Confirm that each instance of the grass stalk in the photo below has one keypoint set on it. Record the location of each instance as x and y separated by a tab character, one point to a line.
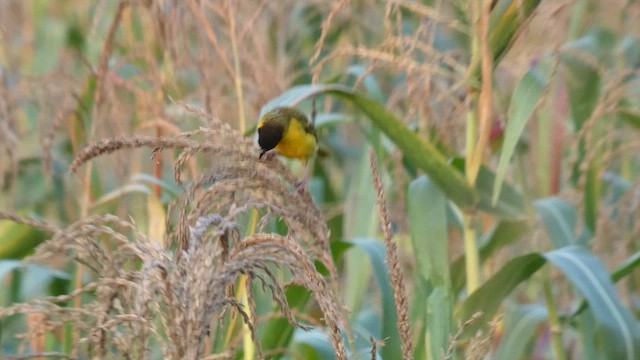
247	340
241	294
472	254
486	92
478	129
554	321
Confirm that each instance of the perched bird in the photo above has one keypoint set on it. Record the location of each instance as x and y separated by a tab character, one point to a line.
288	131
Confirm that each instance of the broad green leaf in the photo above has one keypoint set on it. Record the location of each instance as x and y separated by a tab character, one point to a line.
630	116
488	297
503	234
510	204
418	313
415	149
439	320
621	271
366	324
428	226
617	327
377	252
521	324
524	102
17	240
359	222
560	220
326	120
7	266
586	326
627	267
277	333
37	279
427	207
314	344
167	185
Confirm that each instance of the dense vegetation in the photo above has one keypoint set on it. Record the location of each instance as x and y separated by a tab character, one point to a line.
476	194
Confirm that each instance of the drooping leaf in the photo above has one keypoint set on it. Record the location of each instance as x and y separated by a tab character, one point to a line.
7	266
521	323
619	273
560	220
617	328
17	240
488	297
504	233
314	344
415	149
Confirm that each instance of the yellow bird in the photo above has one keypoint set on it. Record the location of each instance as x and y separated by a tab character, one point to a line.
288	131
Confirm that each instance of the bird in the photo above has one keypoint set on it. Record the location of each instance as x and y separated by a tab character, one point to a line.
288	131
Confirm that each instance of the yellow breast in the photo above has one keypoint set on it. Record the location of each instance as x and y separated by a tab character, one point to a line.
297	143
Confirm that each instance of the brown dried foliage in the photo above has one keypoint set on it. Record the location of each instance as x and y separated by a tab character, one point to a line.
397	276
148	291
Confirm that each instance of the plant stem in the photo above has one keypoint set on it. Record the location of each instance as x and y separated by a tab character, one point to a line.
554	321
472	256
247	340
484	99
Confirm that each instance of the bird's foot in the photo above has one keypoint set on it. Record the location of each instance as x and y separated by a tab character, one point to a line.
268	156
302	186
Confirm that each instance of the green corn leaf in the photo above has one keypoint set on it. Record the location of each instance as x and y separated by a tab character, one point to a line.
314	345
377	252
439	321
428	226
359	222
560	220
504	233
524	101
618	330
619	273
415	149
17	240
427	207
521	323
488	297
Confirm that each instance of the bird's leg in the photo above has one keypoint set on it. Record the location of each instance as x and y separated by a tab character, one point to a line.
304	181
